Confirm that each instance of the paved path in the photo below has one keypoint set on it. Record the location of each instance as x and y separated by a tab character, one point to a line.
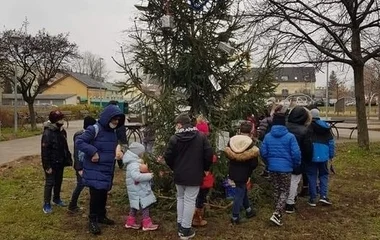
14	149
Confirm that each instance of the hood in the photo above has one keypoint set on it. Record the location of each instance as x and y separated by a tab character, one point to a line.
130	157
241	148
110	112
51	126
320	126
187	133
278	131
299	115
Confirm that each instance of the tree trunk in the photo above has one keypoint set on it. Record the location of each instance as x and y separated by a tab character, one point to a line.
378	106
361	118
32	115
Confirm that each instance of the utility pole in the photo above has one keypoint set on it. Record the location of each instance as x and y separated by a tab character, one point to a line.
327	90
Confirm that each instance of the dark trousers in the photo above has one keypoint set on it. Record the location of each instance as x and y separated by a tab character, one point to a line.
53	182
98	201
201	198
305	180
78	189
240	199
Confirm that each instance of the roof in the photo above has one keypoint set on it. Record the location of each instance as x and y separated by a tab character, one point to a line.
111	86
87	80
291	74
42	96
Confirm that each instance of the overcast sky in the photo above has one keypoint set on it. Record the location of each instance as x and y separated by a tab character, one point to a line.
95	25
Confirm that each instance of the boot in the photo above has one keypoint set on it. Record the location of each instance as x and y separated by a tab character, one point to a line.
93	225
198	220
131	223
147	225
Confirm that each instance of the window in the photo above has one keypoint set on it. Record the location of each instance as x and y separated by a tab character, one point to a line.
284	78
295	78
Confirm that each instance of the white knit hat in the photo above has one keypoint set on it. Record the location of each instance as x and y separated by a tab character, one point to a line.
315	113
137	148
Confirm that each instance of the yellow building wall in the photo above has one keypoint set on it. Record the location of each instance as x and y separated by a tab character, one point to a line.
69	85
296	87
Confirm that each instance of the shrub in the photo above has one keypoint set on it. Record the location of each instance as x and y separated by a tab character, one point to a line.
6	117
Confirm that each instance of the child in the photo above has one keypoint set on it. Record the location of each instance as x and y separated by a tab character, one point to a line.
149	137
242	153
198	218
140	194
324	150
78	166
55	155
282	154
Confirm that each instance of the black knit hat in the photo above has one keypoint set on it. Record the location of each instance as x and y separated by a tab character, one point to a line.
55	116
88	121
279	119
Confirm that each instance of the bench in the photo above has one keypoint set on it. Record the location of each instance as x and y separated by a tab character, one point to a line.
68	117
84	113
350	128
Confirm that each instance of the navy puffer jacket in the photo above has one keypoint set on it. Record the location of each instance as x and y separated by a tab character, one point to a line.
99	175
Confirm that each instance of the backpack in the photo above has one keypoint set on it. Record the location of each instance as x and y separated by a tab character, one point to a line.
81	155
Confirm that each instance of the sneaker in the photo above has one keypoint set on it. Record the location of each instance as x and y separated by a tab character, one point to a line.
187	233
250	214
94	228
289	208
179	229
276	219
235	220
312	202
325	201
130	223
106	221
148	225
60	203
47	208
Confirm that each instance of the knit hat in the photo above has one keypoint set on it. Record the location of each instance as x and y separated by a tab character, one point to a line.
279	119
137	148
203	127
315	113
55	116
88	121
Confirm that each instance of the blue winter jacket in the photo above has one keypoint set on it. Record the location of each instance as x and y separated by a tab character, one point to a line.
323	141
280	150
138	184
99	175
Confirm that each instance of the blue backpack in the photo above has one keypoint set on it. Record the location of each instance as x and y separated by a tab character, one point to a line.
81	155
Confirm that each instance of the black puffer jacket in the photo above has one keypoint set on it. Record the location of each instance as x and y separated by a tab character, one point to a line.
188	154
299	121
54	149
242	153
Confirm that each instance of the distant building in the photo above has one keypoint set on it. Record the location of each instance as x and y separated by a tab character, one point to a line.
41	99
294	80
85	87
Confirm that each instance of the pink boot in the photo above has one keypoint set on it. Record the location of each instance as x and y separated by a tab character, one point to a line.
131	223
148	225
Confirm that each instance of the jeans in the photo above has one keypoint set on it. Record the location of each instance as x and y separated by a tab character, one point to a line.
98	201
53	182
240	199
295	180
201	198
315	170
78	189
186	196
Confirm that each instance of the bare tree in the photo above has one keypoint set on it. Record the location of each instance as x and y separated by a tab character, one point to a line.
318	31
34	60
92	65
372	82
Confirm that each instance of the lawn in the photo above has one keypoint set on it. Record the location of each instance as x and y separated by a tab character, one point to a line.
355	214
8	133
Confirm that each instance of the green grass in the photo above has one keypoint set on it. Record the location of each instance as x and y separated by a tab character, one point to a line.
354	190
8	133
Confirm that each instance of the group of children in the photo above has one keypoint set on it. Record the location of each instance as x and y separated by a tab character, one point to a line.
294	144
